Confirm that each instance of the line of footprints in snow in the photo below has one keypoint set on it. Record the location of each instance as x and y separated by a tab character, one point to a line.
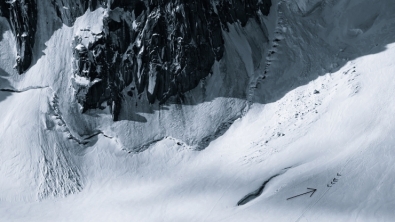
334	180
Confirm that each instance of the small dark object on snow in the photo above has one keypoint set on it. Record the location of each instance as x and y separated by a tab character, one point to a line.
316	91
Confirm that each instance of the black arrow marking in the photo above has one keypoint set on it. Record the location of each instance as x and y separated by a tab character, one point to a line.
312	191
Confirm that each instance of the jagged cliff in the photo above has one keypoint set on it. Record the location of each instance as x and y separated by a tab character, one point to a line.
162	49
22	16
69	10
156	49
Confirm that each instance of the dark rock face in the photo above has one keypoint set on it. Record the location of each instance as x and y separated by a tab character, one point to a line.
155	48
4	9
239	10
158	48
69	10
22	16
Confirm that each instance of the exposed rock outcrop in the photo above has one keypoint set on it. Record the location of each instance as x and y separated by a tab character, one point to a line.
69	10
158	48
22	16
4	9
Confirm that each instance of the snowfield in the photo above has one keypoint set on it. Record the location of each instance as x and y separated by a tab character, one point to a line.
318	113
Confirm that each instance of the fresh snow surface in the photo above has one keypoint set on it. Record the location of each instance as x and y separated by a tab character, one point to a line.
322	118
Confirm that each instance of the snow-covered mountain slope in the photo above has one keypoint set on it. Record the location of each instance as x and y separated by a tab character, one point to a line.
315	110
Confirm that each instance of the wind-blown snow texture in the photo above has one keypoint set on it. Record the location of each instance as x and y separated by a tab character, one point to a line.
301	98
